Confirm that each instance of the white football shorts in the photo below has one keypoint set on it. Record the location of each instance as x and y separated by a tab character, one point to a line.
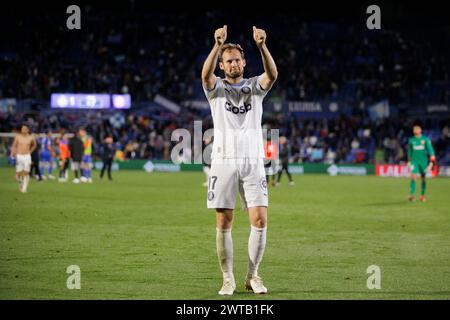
228	176
23	162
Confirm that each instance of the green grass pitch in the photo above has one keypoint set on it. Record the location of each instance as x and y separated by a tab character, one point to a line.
150	236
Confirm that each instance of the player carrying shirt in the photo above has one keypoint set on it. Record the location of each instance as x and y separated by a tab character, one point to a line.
421	159
238	151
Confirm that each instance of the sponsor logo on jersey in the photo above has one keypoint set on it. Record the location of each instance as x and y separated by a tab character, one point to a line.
236	110
419	147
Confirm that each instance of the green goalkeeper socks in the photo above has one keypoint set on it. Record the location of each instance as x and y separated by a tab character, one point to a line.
412	187
424	187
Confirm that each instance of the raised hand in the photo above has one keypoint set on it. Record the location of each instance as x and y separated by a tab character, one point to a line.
221	35
259	35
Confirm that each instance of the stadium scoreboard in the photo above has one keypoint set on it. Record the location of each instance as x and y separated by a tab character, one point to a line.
90	101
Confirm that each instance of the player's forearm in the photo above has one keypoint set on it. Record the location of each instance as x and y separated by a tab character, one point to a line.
270	68
210	65
14	148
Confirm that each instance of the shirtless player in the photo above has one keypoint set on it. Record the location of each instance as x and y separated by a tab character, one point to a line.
23	145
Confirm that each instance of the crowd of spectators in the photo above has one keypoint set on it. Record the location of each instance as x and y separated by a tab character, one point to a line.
145	53
140	135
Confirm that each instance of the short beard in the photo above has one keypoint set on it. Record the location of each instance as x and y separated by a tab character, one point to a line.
235	75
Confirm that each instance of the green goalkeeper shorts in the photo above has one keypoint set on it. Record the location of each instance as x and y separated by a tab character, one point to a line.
419	167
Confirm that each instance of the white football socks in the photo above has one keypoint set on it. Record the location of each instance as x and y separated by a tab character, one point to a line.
256	246
20	182
224	244
26	179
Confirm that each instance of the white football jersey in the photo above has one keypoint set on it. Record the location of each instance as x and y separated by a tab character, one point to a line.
237	114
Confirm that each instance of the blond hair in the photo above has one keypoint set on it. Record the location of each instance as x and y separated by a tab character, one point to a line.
230	46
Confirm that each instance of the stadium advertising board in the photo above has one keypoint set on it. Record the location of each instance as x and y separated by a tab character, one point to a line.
308	109
98	166
294	168
444	171
148	166
397	170
335	170
161	166
7	104
121	101
438	108
332	170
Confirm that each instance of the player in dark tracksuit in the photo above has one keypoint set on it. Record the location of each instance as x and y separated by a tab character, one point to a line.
284	158
35	162
76	148
109	151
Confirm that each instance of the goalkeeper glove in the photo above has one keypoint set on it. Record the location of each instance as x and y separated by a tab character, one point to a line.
432	162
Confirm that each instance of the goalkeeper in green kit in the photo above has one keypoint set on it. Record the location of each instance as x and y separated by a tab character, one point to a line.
421	159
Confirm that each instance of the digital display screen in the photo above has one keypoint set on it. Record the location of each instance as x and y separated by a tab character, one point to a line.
121	101
90	101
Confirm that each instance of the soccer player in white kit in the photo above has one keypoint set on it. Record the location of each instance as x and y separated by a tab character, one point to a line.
238	152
